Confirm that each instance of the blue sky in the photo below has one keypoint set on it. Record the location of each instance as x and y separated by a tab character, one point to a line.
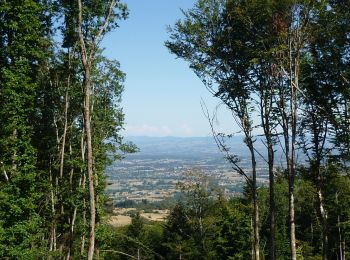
162	95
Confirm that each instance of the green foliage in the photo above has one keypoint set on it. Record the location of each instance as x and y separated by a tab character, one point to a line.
43	195
281	229
234	239
234	47
136	227
309	227
22	190
193	224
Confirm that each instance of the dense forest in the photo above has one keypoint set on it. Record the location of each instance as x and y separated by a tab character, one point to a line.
281	67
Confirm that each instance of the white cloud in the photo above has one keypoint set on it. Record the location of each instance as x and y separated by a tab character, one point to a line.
166	130
186	130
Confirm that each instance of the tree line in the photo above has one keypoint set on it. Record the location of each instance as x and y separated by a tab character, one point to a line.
60	122
282	70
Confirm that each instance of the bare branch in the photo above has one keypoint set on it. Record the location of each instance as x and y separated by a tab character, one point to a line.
222	147
5	173
81	36
345	79
262	156
102	28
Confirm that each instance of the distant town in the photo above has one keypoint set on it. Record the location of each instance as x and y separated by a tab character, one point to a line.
153	174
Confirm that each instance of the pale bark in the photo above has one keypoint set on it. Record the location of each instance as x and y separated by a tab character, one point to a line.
66	105
90	166
323	215
255	202
285	124
87	57
14	156
87	126
292	225
53	239
4	171
294	70
83	184
256	223
73	218
319	141
272	207
289	113
266	106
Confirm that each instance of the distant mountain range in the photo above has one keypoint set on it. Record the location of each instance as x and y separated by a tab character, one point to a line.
177	145
196	148
186	147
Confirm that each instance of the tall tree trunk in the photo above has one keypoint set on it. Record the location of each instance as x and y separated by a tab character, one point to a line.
285	123
292	221
52	245
73	217
256	223
87	63
62	152
272	201
266	102
83	184
255	203
87	90
289	150
339	230
87	53
323	214
293	105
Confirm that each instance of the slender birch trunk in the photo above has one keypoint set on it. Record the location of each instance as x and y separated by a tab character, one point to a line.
83	184
52	246
87	62
292	160
87	53
87	90
323	215
255	202
266	103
